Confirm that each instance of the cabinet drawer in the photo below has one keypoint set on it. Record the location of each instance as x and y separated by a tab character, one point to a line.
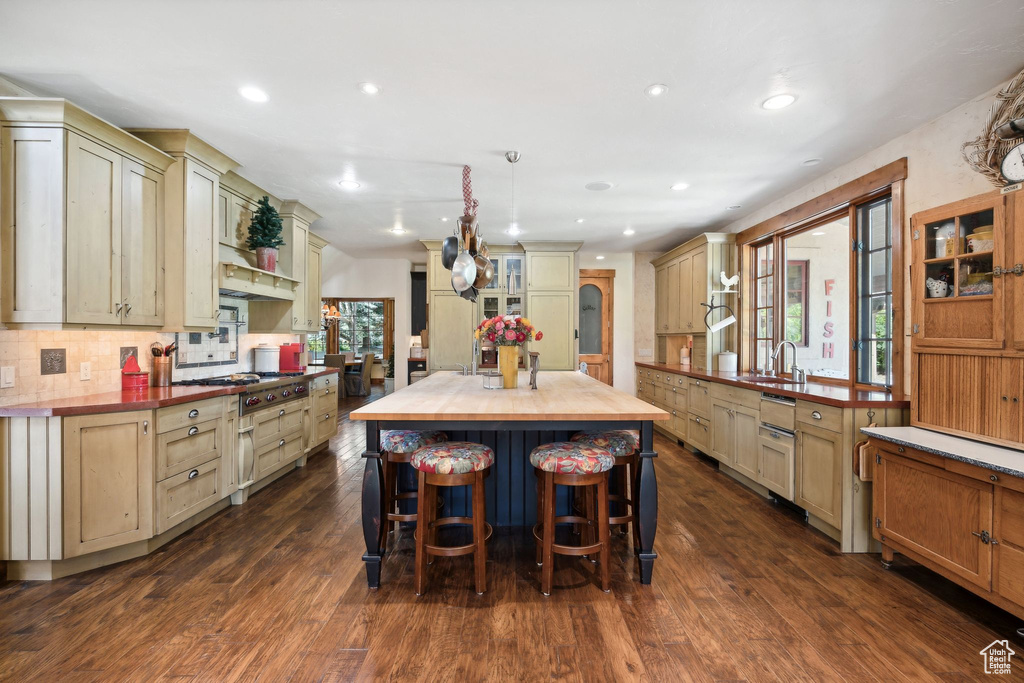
731	394
274	456
326	400
1010	573
698	432
825	417
778	414
188	414
326	382
182	449
775	461
326	425
183	495
1010	514
270	425
677	398
699	398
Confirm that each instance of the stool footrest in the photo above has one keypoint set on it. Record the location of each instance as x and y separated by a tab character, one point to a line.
398	517
453	550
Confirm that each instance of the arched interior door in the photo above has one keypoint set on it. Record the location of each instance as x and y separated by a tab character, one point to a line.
596	317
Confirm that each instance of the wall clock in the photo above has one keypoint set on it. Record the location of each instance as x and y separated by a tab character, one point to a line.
1012	167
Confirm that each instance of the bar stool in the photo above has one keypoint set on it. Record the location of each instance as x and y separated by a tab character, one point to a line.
624	445
458	463
397	446
577	465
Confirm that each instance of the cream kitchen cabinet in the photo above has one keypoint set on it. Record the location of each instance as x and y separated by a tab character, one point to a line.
451	321
82	202
312	284
108	481
192	227
553	314
775	461
734	435
550	270
818	476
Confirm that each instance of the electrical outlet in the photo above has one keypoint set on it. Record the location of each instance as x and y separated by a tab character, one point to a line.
646	353
7	377
85	370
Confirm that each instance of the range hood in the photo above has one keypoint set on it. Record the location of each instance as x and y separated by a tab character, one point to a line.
252	284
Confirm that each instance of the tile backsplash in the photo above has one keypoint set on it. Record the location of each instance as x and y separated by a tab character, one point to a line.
23	350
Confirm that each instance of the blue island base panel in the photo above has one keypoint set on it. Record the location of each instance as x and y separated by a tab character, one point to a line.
511	485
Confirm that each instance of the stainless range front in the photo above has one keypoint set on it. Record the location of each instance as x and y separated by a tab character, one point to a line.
269	394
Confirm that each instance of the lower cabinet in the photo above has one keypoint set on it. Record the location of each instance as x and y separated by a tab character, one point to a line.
324	410
818	472
452	321
276	455
775	461
698	433
1008	566
552	313
108	481
734	437
188	493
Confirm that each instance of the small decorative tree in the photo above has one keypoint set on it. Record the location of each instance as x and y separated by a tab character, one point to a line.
265	234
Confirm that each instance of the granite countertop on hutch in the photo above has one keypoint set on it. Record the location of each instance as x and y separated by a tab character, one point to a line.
826	394
124	401
1005	460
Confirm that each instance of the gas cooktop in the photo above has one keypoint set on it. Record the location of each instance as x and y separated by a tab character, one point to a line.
236	380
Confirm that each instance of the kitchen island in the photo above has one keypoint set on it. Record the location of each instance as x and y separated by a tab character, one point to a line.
512	422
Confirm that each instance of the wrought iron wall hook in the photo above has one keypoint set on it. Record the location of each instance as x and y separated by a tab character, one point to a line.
724	322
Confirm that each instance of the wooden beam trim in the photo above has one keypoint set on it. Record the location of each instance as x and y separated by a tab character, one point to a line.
843	195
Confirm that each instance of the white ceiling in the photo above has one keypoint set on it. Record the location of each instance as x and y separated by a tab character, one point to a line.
562	82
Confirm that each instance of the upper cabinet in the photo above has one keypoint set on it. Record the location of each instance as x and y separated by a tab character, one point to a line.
192	226
684	279
552	278
82	198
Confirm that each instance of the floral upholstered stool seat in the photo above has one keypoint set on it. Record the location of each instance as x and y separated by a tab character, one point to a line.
456	463
397	446
624	445
578	465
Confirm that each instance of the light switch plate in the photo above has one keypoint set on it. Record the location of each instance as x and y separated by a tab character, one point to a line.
646	353
7	377
85	370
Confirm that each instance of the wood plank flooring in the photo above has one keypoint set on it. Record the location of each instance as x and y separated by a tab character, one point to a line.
275	590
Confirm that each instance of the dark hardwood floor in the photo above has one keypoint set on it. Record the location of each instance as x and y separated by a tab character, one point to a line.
275	590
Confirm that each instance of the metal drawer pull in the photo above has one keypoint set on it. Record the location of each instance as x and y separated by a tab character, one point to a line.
993	477
192	431
281	412
901	449
327	381
282	443
193	413
816	415
193	474
775	435
145	426
327	416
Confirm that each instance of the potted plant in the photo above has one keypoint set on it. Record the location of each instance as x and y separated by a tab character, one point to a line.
389	373
508	332
265	235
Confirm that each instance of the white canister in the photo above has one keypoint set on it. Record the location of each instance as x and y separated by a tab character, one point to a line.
268	358
727	361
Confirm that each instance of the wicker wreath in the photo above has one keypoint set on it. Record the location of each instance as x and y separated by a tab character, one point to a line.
985	153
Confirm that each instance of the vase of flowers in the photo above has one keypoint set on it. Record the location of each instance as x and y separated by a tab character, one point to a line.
508	333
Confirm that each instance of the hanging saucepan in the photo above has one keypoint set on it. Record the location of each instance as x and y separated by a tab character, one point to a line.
469	294
463	272
484	271
467	229
449	250
484	251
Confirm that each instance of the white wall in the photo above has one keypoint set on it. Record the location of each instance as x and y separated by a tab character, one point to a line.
356	278
622	325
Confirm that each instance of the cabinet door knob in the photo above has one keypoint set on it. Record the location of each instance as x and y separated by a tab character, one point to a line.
281	412
281	443
816	415
993	477
901	449
193	474
1005	399
192	431
193	413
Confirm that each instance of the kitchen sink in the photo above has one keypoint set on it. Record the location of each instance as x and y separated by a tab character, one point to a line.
761	379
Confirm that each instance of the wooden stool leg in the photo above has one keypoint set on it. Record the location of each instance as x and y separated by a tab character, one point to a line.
421	535
540	517
603	534
431	531
591	514
549	533
480	553
391	477
621	483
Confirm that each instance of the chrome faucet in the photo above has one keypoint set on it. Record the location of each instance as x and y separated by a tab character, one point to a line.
799	376
465	369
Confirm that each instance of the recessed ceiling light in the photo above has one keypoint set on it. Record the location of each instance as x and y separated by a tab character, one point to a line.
514	230
444	219
580	220
656	90
253	94
599	186
600	258
369	88
817	234
348	185
778	101
735	206
629	231
398	230
811	162
679	187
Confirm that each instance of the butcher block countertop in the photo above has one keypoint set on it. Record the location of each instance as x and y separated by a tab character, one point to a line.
815	392
447	395
124	401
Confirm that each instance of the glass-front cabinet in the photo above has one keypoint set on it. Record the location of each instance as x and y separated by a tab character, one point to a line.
959	273
504	295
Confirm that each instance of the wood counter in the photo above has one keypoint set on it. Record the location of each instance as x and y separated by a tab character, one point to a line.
512	422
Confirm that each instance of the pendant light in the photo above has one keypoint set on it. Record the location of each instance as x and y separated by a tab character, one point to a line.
512	157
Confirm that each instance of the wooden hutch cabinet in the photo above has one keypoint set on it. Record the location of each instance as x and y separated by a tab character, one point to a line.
968	331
